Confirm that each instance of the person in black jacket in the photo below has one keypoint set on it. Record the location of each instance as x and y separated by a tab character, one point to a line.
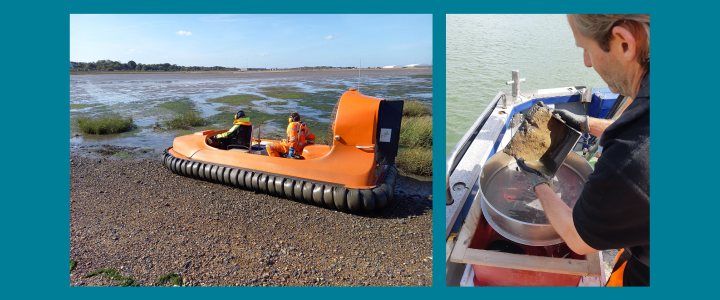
613	211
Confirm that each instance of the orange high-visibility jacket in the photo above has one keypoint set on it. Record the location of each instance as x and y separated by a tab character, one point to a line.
298	136
294	138
309	136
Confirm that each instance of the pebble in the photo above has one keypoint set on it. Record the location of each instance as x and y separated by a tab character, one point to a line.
169	225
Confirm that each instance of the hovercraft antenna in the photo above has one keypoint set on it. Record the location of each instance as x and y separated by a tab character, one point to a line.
358	86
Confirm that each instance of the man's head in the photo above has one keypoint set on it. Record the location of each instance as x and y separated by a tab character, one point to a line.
617	46
240	114
294	117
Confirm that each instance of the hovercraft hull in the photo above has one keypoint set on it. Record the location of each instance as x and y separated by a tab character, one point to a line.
356	173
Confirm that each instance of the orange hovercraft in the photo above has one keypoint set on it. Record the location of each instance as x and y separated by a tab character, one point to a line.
355	174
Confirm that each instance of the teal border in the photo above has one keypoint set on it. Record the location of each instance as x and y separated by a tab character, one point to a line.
35	180
439	75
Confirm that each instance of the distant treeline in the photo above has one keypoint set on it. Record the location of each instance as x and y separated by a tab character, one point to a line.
109	65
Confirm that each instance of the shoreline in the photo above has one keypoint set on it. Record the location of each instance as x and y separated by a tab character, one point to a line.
225	72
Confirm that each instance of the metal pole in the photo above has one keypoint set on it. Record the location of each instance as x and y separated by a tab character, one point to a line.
358	86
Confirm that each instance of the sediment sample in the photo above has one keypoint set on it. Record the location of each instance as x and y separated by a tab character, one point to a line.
536	134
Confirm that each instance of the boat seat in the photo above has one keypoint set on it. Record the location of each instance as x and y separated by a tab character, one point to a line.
238	139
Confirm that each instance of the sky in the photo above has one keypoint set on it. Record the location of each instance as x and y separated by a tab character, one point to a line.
256	41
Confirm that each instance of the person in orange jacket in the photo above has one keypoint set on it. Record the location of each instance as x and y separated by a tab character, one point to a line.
298	136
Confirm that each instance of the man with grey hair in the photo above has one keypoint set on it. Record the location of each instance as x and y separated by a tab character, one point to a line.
613	211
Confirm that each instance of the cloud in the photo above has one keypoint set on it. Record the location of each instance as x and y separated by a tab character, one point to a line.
317	26
185	33
133	51
329	37
264	54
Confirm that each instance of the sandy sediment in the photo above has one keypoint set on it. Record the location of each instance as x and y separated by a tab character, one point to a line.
139	218
533	138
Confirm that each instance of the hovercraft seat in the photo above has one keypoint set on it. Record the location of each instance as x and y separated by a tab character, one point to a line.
239	140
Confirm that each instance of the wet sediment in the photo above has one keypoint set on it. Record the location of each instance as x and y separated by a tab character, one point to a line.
139	218
538	139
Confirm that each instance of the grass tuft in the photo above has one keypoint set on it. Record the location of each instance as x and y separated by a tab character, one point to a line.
174	278
79	106
416	132
284	93
114	275
414	108
236	99
186	120
123	155
178	106
105	124
73	264
416	161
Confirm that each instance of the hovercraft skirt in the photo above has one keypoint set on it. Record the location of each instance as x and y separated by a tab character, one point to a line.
328	195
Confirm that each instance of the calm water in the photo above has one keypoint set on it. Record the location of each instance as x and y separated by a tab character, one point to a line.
483	49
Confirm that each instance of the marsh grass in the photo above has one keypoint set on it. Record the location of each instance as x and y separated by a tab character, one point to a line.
287	95
269	103
336	87
105	124
178	106
416	161
323	101
173	278
81	106
186	120
236	99
123	155
393	91
114	275
414	108
415	155
416	132
284	93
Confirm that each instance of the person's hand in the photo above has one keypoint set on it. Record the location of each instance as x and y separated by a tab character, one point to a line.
291	152
536	178
578	122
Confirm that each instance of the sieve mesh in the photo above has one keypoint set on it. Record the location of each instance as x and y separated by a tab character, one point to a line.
509	192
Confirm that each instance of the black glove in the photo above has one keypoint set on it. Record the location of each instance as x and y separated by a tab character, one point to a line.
578	122
535	176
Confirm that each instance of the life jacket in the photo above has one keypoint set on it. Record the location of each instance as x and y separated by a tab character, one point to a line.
309	136
294	138
242	121
298	131
234	130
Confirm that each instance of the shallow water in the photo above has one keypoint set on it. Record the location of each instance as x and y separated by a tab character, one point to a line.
482	50
138	96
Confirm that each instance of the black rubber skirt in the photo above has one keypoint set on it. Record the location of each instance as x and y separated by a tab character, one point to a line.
323	194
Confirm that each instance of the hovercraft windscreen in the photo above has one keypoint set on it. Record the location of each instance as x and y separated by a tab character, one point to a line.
331	124
388	131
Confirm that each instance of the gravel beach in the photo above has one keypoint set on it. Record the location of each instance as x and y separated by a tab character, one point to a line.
137	217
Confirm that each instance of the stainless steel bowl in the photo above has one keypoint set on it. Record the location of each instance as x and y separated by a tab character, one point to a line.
512	208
